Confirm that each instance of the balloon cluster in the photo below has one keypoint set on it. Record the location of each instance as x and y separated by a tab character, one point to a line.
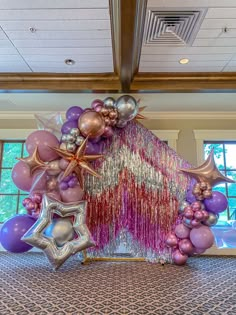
198	213
55	169
32	204
202	190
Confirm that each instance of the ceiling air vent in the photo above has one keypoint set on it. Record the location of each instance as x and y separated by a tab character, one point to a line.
172	28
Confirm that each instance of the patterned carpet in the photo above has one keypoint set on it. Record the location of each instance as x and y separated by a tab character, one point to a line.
29	286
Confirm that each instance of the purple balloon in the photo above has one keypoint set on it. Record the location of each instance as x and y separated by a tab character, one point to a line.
190	197
182	231
92	148
68	125
21	176
43	140
217	203
63	185
73	182
12	232
96	103
73	113
202	237
95	140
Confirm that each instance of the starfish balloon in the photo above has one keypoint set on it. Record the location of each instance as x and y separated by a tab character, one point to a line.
140	116
208	172
33	161
79	162
57	255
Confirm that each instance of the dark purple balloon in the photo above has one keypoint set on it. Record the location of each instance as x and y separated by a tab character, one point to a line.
92	148
190	197
73	182
12	232
63	185
217	203
68	125
73	113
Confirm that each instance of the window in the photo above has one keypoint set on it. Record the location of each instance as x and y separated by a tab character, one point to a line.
10	196
224	153
170	137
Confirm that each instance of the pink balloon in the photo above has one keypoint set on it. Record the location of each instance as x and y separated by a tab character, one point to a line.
179	258
202	237
54	195
196	205
182	231
43	139
185	246
195	223
198	250
188	212
199	215
96	103
21	176
39	182
72	194
108	132
171	240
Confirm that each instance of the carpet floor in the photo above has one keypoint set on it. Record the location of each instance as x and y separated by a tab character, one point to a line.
207	285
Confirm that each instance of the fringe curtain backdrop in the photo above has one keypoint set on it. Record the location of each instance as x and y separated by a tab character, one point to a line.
136	200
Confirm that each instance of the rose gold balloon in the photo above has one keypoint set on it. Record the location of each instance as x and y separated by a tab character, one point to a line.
113	115
52	184
203	185
113	122
107	121
91	124
196	191
207	194
104	111
54	168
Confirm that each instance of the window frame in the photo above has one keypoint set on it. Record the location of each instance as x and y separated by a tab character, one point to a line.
171	136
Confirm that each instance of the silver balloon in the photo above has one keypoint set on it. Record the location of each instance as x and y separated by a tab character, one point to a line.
79	140
74	132
70	138
127	107
212	219
57	255
61	230
121	124
109	102
183	205
71	147
64	138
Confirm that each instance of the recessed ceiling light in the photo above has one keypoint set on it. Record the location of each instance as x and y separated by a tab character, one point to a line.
69	62
32	30
184	61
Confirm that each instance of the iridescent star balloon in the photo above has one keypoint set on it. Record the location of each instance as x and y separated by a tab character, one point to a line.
56	254
208	172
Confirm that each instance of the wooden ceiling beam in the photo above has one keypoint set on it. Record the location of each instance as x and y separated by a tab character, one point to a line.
127	24
184	82
60	82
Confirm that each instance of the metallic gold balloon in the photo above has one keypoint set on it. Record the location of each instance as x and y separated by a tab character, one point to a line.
57	255
208	172
211	220
91	124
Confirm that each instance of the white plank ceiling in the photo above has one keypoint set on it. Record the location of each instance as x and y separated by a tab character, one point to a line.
73	29
213	50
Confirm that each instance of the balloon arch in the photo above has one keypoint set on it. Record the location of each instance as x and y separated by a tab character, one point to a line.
100	179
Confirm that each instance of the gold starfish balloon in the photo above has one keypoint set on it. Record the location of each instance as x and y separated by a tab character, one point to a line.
79	162
208	172
140	116
33	161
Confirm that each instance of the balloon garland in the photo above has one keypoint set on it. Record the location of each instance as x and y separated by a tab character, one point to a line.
54	171
53	174
199	212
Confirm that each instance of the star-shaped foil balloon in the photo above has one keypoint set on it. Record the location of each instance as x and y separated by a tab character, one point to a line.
140	116
33	161
79	162
55	254
208	172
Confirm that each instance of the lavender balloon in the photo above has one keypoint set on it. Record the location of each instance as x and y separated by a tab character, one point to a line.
21	176
202	237
72	194
182	231
12	232
73	113
190	197
43	140
218	203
